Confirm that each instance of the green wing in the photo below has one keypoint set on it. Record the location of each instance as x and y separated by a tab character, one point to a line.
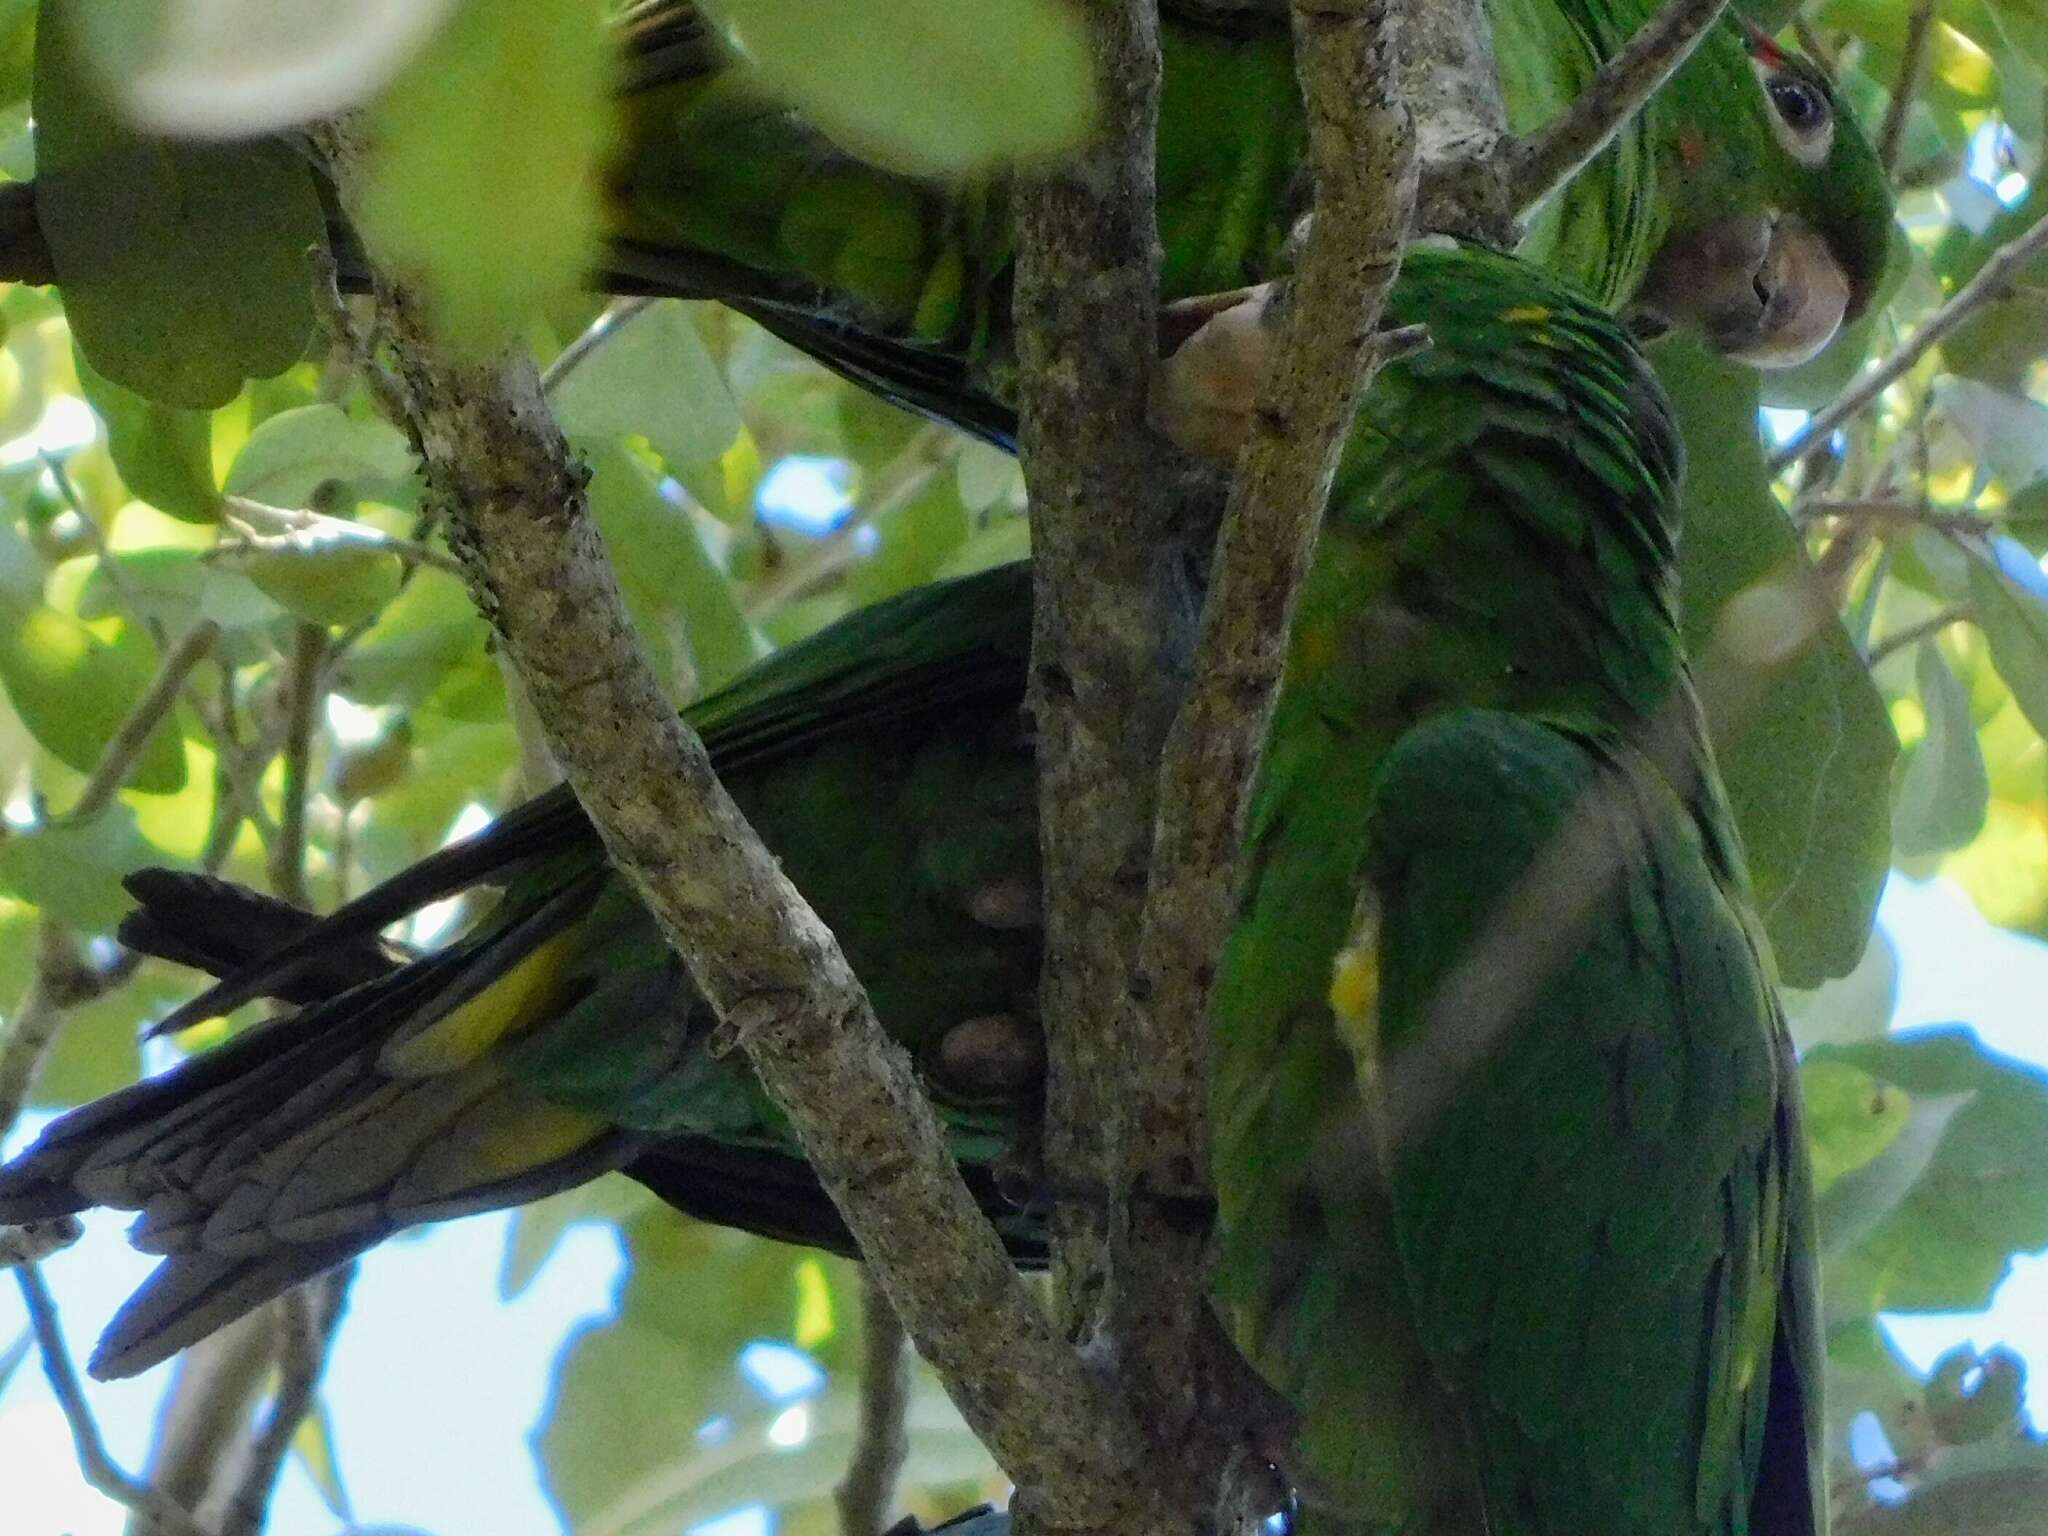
884	761
1594	1159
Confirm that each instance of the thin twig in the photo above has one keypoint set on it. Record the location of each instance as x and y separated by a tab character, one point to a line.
310	1316
866	1496
1364	159
287	862
1993	281
1914	633
93	1461
1554	153
518	515
240	513
1891	510
97	537
1912	72
615	319
117	758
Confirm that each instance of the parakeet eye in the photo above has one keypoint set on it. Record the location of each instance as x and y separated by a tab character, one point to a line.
1800	113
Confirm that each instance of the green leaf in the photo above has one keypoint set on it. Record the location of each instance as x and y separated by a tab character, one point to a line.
1851	1117
666	570
334	573
316	456
163	454
491	145
655	377
1945	791
2009	599
929	86
427	632
1982	1197
1807	751
1853	1206
72	690
183	266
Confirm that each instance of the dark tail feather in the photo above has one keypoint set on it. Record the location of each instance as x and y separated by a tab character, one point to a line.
773	1194
219	927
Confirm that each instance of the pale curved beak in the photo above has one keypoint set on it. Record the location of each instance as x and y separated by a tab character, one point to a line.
1764	290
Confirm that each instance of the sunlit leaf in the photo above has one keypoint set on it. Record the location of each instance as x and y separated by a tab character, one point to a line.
2009	599
490	151
164	454
73	689
313	1446
313	455
333	573
927	85
1857	1006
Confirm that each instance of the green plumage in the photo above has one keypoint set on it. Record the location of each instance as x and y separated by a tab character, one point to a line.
1579	1254
904	284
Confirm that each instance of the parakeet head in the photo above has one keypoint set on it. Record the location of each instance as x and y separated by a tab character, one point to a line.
1781	213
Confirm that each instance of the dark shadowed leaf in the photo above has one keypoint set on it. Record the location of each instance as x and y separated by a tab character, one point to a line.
183	266
1982	1197
1945	789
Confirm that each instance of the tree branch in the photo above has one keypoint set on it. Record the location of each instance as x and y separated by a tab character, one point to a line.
1545	160
99	1468
868	1491
519	520
1365	178
1993	281
1912	73
1113	618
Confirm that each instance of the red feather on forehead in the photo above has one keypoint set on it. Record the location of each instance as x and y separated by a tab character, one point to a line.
1761	47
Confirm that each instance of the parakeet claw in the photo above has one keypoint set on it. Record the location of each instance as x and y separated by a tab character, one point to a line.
1203	394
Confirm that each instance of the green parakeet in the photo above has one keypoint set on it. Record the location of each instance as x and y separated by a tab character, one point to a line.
1526	1172
1744	201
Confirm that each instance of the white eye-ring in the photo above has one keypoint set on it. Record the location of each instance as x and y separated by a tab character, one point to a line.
1800	116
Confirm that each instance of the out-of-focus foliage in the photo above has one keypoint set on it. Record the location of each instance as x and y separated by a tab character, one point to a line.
146	484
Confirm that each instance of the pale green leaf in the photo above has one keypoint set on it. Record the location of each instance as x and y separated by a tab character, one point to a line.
930	86
312	455
491	147
1945	790
655	378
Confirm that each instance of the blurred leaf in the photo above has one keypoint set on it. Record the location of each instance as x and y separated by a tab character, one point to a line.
313	1445
2009	599
1854	1204
2009	1501
988	475
294	458
1974	1397
183	266
1807	759
1983	1196
423	635
73	871
231	69
163	454
928	86
73	689
1945	790
1857	1006
655	378
1004	540
2008	433
491	145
